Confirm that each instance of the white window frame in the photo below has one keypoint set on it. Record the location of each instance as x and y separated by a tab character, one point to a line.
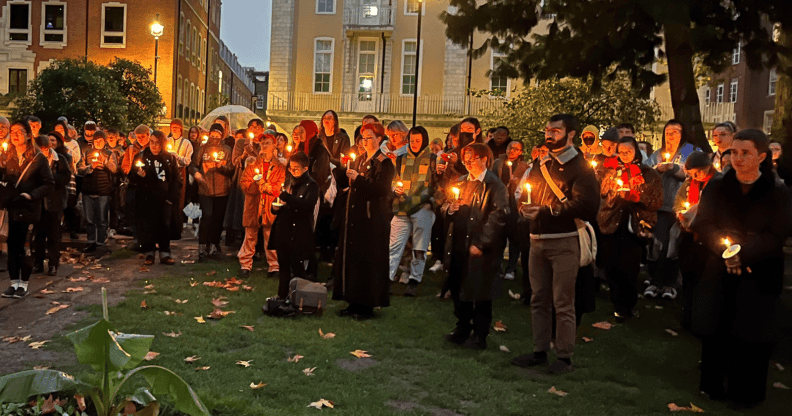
187	37
201	59
719	93
44	31
375	74
29	30
773	82
260	102
733	90
406	13
181	34
332	66
334	7
765	126
123	34
493	55
736	55
419	70
707	95
178	90
195	45
202	103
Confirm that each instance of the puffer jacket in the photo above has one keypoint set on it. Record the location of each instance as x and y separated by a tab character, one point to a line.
216	180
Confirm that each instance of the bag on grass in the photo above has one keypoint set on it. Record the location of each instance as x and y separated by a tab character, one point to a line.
307	297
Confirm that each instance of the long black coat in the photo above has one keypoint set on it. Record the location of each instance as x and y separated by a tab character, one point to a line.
741	306
482	225
61	173
157	197
293	228
360	268
36	182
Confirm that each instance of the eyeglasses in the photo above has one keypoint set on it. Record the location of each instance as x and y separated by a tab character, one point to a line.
471	160
326	118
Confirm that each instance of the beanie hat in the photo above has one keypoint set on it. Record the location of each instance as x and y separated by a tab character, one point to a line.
178	122
610	135
217	127
590	129
698	160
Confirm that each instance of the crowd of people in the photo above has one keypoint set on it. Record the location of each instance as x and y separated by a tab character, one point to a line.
710	226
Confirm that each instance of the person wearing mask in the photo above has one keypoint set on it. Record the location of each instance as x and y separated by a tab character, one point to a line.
631	195
333	137
35	124
668	160
47	231
413	214
360	269
261	182
722	136
98	166
555	247
473	126
510	168
30	180
213	171
590	142
86	140
477	219
142	135
500	142
735	303
156	177
292	235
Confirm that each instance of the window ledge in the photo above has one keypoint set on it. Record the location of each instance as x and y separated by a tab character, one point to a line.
113	45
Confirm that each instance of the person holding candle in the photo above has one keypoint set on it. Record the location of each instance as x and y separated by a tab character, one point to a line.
590	142
413	210
98	165
47	231
182	149
335	139
142	134
29	180
245	150
292	234
510	168
625	219
213	171
116	196
735	303
360	269
261	182
555	248
474	246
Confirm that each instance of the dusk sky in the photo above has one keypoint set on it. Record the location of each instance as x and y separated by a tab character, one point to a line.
245	29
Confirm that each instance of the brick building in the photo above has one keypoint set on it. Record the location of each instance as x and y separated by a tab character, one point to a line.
189	69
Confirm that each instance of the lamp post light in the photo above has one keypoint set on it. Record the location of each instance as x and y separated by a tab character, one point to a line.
417	61
156	30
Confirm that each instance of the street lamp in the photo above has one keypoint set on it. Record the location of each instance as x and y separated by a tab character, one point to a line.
156	30
417	61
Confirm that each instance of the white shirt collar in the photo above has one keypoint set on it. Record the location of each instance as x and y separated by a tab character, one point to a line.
480	178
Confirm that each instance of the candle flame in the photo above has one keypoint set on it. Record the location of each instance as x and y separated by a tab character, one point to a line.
289	149
400	184
620	182
170	147
593	163
456	192
687	205
667	156
96	154
139	164
215	155
5	146
353	156
528	187
258	171
727	243
717	165
251	135
205	139
509	163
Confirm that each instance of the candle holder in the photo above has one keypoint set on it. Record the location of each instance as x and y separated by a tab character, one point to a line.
731	249
621	186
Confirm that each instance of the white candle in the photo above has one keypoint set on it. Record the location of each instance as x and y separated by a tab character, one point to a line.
352	156
215	156
205	139
456	193
594	164
528	192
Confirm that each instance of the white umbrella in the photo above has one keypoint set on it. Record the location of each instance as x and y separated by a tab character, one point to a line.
238	118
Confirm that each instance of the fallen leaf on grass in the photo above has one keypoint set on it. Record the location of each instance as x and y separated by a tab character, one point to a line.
78	279
151	355
218	314
37	344
504	349
219	302
295	359
248	327
603	325
73	289
245	364
328	335
248	288
199	319
587	339
658	307
149	292
557	392
56	309
693	408
321	403
360	354
172	334
26	338
515	296
101	280
780	385
232	288
499	327
672	332
129	409
192	359
143	269
49	405
188	261
41	367
309	371
779	366
182	302
212	273
193	284
151	286
202	368
254	386
169	313
47	291
143	304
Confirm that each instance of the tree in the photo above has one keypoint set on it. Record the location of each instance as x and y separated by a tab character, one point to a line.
118	96
599	38
217	100
614	103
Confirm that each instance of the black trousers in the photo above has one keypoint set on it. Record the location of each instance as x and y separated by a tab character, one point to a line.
290	267
475	316
621	255
664	271
438	235
213	210
18	268
512	236
524	233
129	209
47	238
734	369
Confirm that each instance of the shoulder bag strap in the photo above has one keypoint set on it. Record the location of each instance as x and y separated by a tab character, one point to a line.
556	190
24	171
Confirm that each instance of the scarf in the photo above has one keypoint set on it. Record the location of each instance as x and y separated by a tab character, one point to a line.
629	173
694	192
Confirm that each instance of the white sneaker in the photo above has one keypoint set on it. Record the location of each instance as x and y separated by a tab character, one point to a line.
669	293
508	276
651	291
436	267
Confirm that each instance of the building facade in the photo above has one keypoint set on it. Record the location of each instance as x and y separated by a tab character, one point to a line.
35	33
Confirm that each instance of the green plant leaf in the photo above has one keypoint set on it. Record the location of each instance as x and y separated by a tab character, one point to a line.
18	387
142	396
163	381
126	350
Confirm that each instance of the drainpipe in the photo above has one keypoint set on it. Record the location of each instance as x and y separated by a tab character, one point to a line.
470	73
382	73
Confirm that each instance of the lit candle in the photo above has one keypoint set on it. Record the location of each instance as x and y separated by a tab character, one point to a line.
456	193
731	250
96	157
400	184
205	139
509	164
528	192
594	164
667	157
257	171
687	206
139	163
289	149
251	135
5	146
717	165
352	158
170	147
215	156
620	183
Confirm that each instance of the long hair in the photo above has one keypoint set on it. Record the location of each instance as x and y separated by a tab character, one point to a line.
638	159
675	122
336	127
30	145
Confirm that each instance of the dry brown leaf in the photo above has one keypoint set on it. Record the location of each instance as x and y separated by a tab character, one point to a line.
557	392
182	302
328	335
779	366
172	334
193	284
693	408
78	279
56	309
360	354
219	302
49	405
254	386
780	385
295	359
12	340
38	344
504	348
322	403
151	355
143	304
587	339
149	292
80	402
248	288
245	364
672	332
41	367
603	325
233	288
309	371
192	359
199	319
515	296
47	291
151	286
101	280
248	327
212	273
219	314
188	261
499	327
169	313
73	289
129	409
144	269
27	338
202	368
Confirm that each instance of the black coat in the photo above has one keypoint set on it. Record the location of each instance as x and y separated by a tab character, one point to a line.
480	223
293	228
56	201
336	144
37	182
360	268
318	164
741	306
157	198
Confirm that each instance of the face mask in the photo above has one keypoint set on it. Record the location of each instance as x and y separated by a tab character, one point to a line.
465	138
588	140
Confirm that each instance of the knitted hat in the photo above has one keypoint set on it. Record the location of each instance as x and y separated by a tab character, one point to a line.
217	127
177	122
610	135
698	160
590	129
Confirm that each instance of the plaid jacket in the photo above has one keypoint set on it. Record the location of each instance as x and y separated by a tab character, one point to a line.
417	174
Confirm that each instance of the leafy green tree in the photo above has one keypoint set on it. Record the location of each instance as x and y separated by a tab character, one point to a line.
144	101
598	38
615	102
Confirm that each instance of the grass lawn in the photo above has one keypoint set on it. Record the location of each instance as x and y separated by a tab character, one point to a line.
632	369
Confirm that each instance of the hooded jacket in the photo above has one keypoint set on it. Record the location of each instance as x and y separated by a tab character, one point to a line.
216	180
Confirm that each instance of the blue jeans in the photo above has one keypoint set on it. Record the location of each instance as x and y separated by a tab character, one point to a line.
419	227
95	209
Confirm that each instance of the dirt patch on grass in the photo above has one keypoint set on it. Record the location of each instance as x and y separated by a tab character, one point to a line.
357	364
